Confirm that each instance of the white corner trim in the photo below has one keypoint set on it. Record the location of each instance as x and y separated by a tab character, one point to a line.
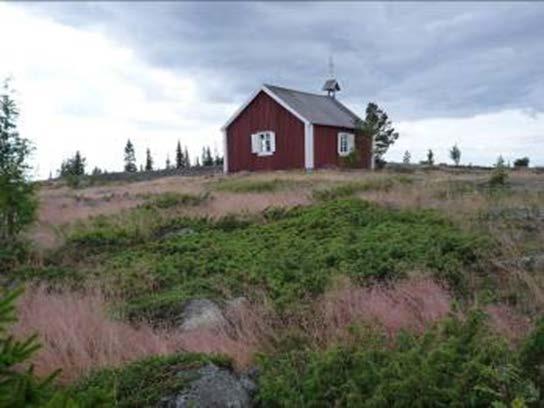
267	91
372	158
225	152
309	146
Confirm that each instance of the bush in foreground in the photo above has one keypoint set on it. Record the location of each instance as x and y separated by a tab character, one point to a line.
458	363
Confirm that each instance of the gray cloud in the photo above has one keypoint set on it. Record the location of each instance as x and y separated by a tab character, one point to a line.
419	60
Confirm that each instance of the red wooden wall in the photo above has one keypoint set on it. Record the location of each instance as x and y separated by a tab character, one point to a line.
263	113
326	147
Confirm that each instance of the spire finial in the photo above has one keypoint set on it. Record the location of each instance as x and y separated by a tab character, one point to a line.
331	85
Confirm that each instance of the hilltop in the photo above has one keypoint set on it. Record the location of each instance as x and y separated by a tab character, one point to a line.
323	288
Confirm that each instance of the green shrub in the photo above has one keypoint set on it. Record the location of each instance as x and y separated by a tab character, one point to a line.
145	382
240	185
458	363
532	356
19	387
290	258
169	200
12	254
499	175
349	189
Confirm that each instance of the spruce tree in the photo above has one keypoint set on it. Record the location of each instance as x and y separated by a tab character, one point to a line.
148	160
187	158
79	164
406	158
168	162
430	157
17	200
179	157
207	159
130	158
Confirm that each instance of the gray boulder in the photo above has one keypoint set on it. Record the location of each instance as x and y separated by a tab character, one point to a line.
215	387
201	313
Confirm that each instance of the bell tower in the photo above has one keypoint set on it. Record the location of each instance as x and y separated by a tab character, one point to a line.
331	85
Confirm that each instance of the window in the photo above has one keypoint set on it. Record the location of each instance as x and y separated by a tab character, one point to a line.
263	143
346	143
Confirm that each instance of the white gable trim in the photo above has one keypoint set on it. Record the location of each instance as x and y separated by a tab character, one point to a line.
225	153
273	96
308	128
282	103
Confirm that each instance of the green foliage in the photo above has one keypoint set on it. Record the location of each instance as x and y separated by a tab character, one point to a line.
458	363
17	198
430	157
240	185
148	160
455	154
352	160
351	188
521	162
169	200
290	257
378	126
74	166
499	176
532	356
406	158
144	383
12	254
180	160
130	158
18	385
207	159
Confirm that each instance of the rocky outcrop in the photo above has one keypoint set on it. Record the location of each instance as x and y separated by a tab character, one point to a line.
214	387
201	313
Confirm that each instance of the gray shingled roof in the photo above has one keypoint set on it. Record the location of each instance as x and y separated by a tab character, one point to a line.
317	109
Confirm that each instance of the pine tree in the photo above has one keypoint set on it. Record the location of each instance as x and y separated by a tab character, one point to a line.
406	158
430	157
18	386
167	162
378	126
207	159
179	157
187	158
148	160
455	154
130	158
74	166
79	164
17	200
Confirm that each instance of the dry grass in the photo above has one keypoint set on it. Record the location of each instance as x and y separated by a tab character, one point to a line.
410	305
508	323
78	335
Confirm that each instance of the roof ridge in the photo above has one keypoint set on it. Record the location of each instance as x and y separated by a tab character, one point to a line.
295	90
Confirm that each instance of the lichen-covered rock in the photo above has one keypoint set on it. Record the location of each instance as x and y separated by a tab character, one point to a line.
215	387
201	313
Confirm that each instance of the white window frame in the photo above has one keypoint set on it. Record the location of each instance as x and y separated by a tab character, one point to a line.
346	143
263	143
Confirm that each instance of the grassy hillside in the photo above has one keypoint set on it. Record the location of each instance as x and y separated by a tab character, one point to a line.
351	280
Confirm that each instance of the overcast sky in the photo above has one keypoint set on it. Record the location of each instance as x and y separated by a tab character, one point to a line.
90	75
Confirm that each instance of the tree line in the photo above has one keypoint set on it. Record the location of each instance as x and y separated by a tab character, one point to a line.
76	165
455	156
